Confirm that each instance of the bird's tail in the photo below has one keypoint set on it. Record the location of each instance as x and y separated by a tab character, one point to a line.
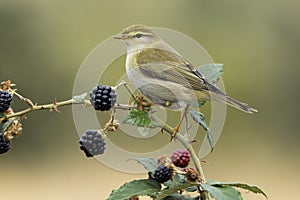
233	103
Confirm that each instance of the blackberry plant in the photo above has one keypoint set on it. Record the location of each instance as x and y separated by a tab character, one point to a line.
176	177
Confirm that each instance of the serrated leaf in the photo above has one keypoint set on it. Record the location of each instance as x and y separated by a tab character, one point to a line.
244	186
200	119
80	98
222	193
179	179
143	187
174	189
150	164
139	118
211	71
180	197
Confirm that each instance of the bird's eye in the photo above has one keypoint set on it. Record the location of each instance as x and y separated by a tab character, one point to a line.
138	35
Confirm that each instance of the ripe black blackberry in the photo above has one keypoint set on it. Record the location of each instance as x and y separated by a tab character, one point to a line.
103	97
181	158
4	145
163	173
92	143
5	99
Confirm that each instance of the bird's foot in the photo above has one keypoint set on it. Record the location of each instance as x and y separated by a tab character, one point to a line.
142	103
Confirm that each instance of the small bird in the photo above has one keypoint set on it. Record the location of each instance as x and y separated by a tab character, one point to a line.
164	76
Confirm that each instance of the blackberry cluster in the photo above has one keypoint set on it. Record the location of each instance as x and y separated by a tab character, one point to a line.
103	97
163	173
5	99
4	145
181	158
92	143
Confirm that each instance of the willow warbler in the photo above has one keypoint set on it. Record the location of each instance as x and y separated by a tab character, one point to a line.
160	73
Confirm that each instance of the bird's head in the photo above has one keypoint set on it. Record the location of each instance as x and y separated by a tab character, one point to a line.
138	37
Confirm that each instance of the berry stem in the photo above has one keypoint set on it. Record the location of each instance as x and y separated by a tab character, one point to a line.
28	101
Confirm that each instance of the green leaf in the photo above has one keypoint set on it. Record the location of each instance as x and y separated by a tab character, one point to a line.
244	186
211	71
2	115
222	193
178	183
180	197
80	98
191	189
150	164
6	125
143	187
139	118
177	180
200	119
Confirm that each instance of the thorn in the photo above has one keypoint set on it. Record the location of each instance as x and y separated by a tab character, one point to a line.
204	161
175	131
193	141
162	131
55	106
29	102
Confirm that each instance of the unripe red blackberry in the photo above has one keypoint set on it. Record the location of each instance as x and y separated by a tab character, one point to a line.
5	99
4	145
92	143
102	97
181	158
163	173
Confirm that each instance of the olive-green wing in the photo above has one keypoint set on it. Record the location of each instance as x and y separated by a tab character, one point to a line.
168	66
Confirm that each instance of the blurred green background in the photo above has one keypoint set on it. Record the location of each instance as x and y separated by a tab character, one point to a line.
43	43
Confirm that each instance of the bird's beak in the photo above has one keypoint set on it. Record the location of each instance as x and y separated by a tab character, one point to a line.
120	37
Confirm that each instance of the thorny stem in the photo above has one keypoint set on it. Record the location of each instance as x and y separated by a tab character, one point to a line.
186	144
165	127
183	140
51	106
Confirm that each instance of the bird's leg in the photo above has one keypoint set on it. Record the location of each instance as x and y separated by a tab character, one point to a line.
176	128
187	127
